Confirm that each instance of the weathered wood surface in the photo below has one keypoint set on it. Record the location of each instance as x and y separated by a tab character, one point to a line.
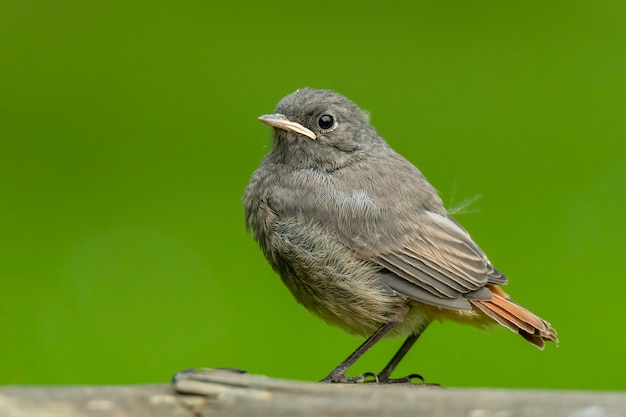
227	393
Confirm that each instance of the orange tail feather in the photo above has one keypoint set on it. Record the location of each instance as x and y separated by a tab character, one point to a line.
519	320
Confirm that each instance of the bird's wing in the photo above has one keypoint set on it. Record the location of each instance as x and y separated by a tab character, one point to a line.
440	265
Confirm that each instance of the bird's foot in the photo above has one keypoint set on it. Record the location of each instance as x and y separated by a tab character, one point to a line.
404	380
367	377
372	378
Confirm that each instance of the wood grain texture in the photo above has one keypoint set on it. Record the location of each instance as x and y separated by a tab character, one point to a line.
215	392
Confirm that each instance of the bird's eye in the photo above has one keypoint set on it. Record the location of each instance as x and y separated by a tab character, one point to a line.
326	121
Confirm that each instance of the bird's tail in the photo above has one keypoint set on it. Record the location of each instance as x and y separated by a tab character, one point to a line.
501	309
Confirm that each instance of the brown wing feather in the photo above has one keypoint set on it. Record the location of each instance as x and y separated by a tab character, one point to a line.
440	265
441	259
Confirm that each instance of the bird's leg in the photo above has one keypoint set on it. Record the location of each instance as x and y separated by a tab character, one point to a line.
339	373
383	376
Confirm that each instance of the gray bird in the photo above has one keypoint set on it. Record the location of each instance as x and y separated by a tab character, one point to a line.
361	238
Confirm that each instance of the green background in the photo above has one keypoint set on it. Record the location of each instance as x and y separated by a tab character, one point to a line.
128	133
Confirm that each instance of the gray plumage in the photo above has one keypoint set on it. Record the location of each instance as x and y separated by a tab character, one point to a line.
355	231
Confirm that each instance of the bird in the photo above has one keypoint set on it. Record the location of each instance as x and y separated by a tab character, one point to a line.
362	239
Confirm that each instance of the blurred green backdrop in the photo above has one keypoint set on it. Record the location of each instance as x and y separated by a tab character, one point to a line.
128	133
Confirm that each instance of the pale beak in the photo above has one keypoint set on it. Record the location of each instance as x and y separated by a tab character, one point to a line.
281	122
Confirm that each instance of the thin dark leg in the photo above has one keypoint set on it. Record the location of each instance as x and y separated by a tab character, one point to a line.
339	373
384	375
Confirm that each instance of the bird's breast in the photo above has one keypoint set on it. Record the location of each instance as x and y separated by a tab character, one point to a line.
325	195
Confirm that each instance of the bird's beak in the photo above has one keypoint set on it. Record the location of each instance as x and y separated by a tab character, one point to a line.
281	122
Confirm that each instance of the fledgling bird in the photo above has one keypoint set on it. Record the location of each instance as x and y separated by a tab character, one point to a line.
361	238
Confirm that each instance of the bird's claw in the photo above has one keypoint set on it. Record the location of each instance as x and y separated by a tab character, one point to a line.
372	378
405	380
363	377
359	379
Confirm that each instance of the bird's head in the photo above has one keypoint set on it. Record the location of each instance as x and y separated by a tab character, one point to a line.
320	129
